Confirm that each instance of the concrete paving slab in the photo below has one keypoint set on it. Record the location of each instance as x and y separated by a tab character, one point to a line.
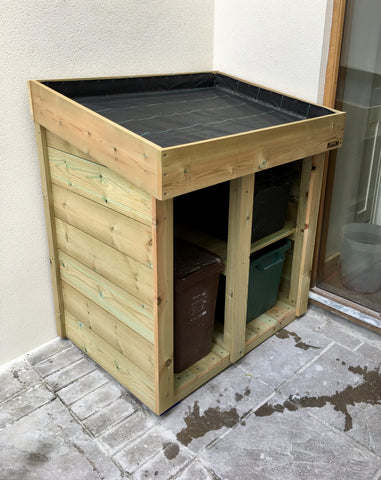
45	351
49	444
171	458
95	401
24	403
339	327
138	452
68	375
15	378
287	446
199	419
282	355
195	471
58	361
342	389
320	322
107	417
235	387
81	387
127	431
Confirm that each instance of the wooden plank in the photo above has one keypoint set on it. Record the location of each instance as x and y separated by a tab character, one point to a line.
307	249
187	382
162	250
118	231
99	184
59	143
237	264
122	305
286	231
128	374
50	227
117	334
300	228
124	271
198	165
216	356
133	157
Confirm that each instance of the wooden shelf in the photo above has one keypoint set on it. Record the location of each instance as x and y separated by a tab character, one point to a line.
219	247
288	230
262	327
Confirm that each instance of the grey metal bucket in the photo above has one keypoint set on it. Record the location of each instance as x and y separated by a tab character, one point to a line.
361	257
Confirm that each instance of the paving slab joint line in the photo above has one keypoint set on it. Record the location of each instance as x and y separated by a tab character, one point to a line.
304	367
345	436
73	364
103	406
123	445
29	412
377	476
358	346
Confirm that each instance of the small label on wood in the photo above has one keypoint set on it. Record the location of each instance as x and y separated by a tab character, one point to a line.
333	144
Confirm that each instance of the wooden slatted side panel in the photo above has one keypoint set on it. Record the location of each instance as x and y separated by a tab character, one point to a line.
103	228
98	183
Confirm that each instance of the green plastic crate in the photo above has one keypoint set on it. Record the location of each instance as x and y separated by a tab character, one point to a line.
264	278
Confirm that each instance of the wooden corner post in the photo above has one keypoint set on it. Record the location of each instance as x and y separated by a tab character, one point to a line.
50	227
162	253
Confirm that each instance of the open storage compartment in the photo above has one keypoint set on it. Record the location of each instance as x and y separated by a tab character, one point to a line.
110	193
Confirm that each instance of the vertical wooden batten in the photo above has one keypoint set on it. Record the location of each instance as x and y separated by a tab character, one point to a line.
162	255
238	263
46	185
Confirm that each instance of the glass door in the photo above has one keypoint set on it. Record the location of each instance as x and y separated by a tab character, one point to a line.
350	252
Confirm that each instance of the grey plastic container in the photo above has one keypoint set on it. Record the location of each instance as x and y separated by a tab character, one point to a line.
361	257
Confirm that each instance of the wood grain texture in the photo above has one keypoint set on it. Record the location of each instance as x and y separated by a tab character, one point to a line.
237	264
118	231
300	229
122	305
50	226
131	156
307	250
116	333
122	270
99	184
193	166
127	373
162	234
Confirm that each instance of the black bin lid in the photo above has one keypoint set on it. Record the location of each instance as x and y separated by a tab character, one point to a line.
190	258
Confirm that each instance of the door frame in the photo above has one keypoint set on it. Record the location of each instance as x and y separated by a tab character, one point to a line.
334	303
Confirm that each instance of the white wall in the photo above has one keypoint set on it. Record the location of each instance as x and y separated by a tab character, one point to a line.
65	39
273	42
276	43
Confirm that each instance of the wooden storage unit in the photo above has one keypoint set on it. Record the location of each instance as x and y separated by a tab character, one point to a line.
109	196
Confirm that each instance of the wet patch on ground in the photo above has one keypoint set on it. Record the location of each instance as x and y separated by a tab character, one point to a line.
199	425
283	334
171	450
369	391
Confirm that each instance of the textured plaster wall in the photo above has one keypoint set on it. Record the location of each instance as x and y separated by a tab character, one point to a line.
277	43
64	39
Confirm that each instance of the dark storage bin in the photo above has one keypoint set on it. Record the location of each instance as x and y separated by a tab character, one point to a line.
271	194
208	209
196	274
264	278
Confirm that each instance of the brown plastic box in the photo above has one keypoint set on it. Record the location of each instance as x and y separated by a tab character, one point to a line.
196	275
